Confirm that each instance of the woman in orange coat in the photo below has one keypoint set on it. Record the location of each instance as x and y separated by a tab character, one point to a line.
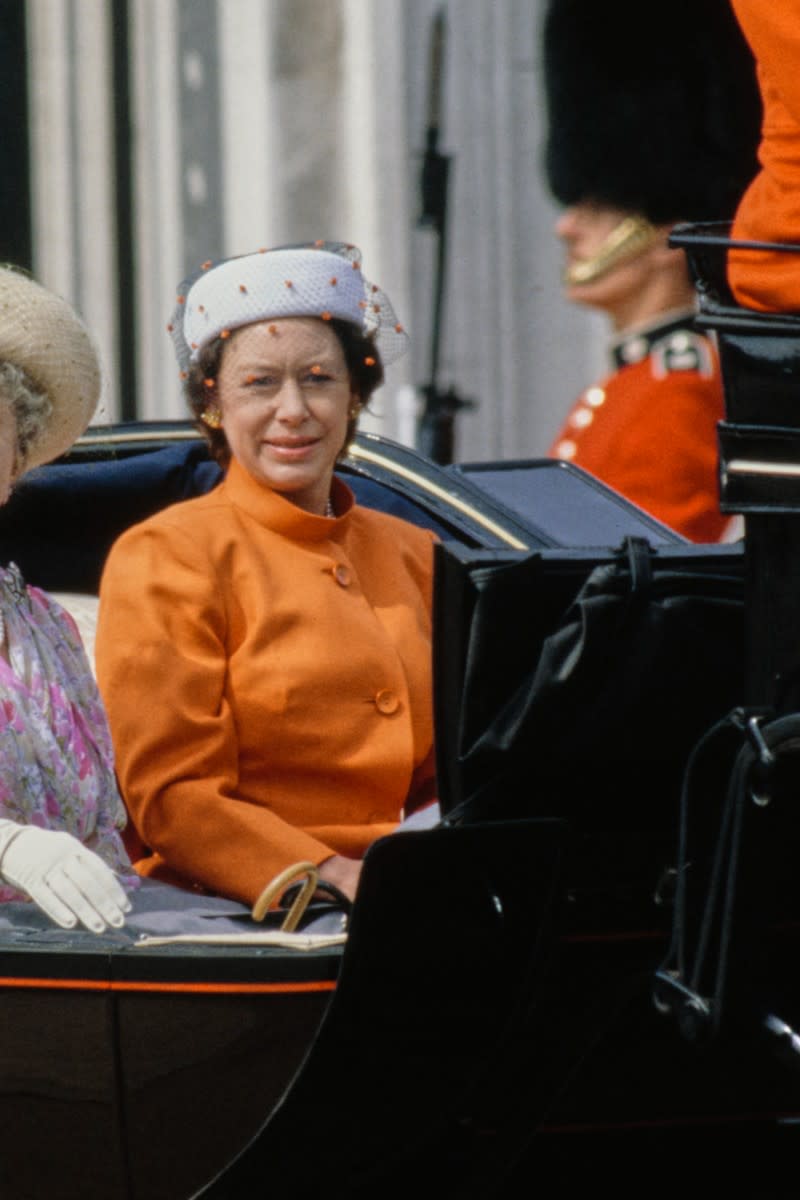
264	650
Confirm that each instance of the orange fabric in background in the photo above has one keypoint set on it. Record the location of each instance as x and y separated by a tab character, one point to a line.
770	208
267	675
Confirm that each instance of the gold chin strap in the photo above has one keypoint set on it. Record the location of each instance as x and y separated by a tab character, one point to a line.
633	235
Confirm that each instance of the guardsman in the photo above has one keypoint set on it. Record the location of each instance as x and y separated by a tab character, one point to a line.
647	130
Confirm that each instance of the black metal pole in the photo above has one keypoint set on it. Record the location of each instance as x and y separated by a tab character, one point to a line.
436	423
16	237
123	196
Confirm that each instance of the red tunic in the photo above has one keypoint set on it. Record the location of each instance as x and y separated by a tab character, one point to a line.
770	208
649	429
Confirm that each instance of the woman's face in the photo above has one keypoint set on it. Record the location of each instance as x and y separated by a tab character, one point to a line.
283	390
8	449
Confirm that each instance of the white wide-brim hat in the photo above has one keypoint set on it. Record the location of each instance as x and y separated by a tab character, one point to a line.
42	334
320	279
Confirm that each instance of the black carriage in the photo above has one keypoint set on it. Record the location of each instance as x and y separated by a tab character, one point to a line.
487	1024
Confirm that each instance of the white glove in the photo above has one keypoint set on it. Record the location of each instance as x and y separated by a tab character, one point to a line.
68	881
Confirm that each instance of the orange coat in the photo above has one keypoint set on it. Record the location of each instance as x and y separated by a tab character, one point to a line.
649	429
770	208
267	676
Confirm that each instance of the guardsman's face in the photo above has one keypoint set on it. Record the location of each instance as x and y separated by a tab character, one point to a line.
585	227
612	258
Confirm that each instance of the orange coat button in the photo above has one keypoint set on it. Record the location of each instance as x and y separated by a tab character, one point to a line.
386	702
341	574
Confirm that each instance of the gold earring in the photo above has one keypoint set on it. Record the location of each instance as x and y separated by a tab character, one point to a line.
212	417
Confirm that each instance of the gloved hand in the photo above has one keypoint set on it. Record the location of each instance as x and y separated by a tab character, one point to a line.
68	881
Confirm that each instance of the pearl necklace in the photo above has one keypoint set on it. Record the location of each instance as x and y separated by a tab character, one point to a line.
329	508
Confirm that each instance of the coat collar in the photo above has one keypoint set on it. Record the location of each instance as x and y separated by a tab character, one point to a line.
637	342
274	511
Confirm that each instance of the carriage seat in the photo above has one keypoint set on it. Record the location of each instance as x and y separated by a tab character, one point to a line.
62	519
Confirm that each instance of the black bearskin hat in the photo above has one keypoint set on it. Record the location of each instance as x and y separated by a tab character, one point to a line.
654	109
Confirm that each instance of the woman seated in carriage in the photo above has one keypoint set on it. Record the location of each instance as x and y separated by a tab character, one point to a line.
60	812
264	650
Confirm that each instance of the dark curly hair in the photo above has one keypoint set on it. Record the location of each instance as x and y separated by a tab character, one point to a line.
361	358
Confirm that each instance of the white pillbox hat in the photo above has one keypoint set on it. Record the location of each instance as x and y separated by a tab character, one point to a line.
318	280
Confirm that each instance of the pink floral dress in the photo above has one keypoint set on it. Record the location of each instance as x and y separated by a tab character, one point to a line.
56	759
